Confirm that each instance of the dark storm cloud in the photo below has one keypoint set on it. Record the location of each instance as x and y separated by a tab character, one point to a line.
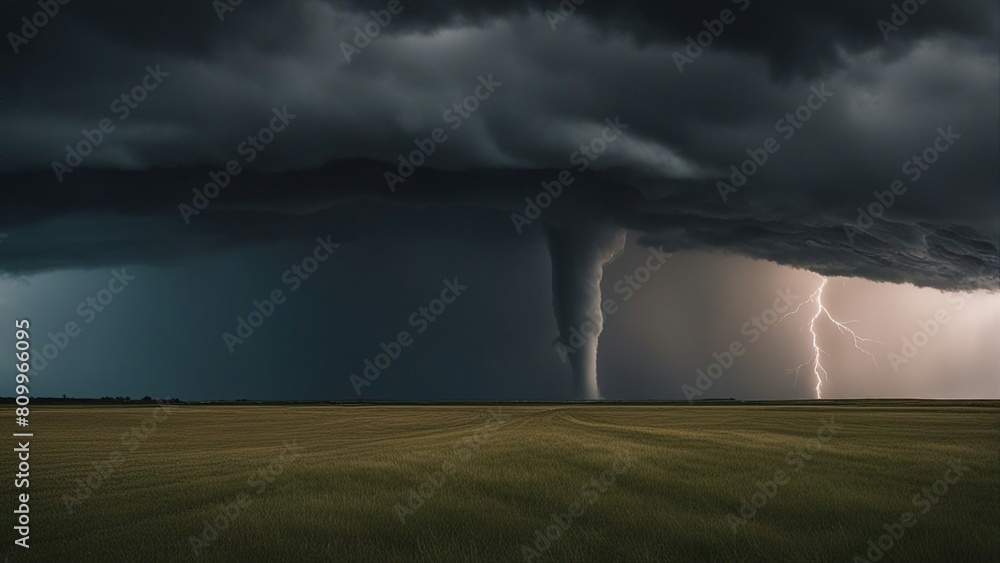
133	217
795	37
609	59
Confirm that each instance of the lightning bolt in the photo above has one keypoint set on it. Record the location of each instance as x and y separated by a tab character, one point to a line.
818	370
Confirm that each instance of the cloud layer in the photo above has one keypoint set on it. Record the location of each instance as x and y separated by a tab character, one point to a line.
890	100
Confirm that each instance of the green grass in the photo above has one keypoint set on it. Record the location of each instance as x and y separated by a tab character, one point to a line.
691	466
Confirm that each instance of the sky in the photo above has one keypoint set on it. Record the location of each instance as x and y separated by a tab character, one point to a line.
503	200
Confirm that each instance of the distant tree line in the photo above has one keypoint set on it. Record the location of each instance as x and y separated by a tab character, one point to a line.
128	399
106	399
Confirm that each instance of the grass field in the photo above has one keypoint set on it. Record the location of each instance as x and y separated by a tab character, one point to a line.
345	483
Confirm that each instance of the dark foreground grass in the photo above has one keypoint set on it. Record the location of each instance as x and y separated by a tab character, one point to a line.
678	473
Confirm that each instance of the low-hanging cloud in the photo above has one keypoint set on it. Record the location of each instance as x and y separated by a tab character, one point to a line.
326	172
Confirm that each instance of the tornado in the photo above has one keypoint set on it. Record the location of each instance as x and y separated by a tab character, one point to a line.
578	258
